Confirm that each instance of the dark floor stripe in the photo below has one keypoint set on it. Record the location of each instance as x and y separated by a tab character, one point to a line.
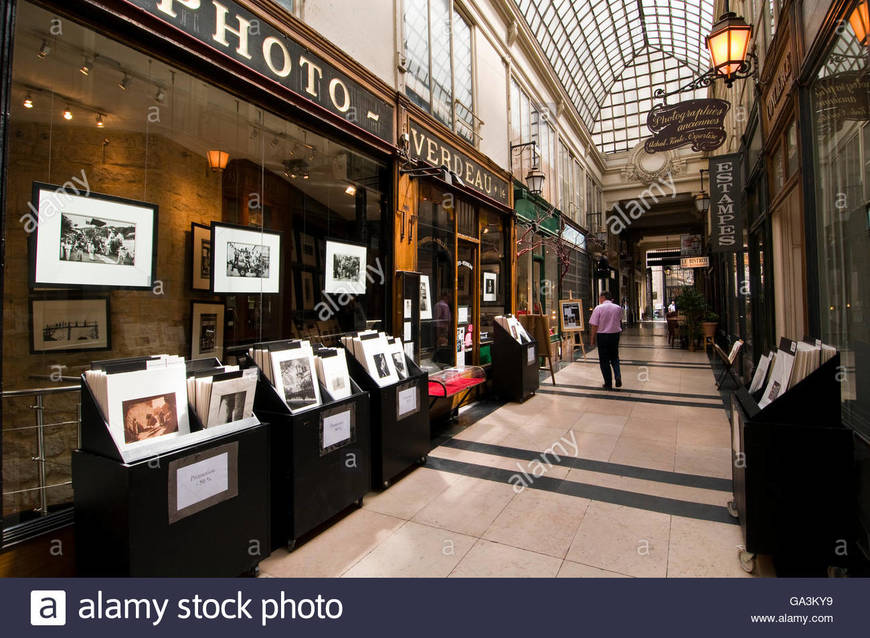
650	364
674	507
650	392
615	395
603	467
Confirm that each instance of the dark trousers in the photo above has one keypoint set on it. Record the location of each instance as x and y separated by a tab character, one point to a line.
608	355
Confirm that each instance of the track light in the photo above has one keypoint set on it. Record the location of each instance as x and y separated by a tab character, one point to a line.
44	50
28	102
125	81
86	66
160	95
67	113
350	190
100	122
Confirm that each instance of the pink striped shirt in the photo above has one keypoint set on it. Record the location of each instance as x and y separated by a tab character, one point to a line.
607	317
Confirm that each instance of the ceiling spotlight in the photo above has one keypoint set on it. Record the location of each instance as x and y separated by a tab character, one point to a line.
86	66
44	50
28	102
67	113
160	95
350	190
125	81
100	122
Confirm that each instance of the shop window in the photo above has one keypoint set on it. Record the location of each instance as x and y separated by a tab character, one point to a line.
495	284
137	129
791	150
437	45
466	218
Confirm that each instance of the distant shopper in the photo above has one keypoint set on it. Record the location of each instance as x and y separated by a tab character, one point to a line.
606	324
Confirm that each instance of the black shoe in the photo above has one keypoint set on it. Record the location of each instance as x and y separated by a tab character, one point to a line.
607	387
619	383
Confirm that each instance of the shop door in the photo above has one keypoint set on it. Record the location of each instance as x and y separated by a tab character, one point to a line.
467	307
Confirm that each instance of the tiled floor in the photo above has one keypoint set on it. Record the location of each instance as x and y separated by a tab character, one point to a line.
629	483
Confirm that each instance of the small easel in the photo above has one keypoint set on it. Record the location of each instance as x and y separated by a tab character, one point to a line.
571	321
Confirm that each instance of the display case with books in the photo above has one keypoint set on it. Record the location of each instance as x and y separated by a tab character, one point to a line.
514	360
320	450
792	461
399	389
149	477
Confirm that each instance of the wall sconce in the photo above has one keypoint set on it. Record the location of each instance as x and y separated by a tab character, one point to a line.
100	123
728	43
535	178
217	160
702	199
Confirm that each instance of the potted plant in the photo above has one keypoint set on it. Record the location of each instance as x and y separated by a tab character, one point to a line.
692	305
710	323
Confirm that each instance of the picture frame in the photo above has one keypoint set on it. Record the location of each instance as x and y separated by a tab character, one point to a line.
64	323
200	236
490	287
425	298
296	379
307	291
307	250
207	320
91	240
345	268
250	260
571	315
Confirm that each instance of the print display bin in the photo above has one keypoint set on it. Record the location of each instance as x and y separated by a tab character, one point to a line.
122	510
397	442
793	473
514	366
311	484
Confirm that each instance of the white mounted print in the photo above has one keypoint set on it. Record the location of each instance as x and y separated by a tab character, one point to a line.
245	261
345	268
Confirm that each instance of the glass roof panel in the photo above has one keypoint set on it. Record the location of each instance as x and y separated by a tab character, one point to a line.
615	52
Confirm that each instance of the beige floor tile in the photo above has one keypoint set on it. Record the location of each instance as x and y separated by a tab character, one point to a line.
414	551
656	411
493	560
469	506
537	438
703	461
613	407
654	429
570	569
704	549
600	423
487	431
539	521
693	414
701	435
622	539
333	551
594	446
410	494
601	479
644	453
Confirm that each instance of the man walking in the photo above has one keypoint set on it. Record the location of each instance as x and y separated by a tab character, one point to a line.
606	324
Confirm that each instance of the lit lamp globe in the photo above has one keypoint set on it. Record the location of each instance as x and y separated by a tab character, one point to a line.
860	21
702	202
728	43
535	181
217	160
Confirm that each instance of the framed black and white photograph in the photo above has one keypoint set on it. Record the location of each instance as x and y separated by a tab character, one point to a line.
490	286
307	291
201	253
307	250
425	298
345	268
571	315
64	324
207	332
245	261
91	240
296	379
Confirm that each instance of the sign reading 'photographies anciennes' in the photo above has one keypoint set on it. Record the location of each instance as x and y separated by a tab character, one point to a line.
432	150
726	210
236	32
700	123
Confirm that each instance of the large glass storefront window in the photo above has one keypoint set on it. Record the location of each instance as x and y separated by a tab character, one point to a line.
135	129
841	118
495	274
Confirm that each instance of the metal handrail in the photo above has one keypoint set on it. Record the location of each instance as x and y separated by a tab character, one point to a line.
41	425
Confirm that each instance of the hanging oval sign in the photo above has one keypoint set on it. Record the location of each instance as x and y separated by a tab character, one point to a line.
700	123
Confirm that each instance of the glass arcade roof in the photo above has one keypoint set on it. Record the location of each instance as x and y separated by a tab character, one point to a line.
612	54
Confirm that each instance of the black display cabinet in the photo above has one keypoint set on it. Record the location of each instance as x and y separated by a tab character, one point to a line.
793	474
514	366
400	433
313	479
139	520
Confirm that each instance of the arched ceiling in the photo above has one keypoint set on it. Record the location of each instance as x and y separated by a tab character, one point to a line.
610	56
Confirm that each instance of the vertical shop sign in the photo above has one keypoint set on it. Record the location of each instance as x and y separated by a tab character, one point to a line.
726	203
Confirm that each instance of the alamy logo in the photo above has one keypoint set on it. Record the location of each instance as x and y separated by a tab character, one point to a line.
48	607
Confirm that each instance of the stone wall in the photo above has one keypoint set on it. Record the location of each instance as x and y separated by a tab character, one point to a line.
142	322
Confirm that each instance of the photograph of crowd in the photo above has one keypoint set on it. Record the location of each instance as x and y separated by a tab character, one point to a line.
247	260
96	240
346	268
149	417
